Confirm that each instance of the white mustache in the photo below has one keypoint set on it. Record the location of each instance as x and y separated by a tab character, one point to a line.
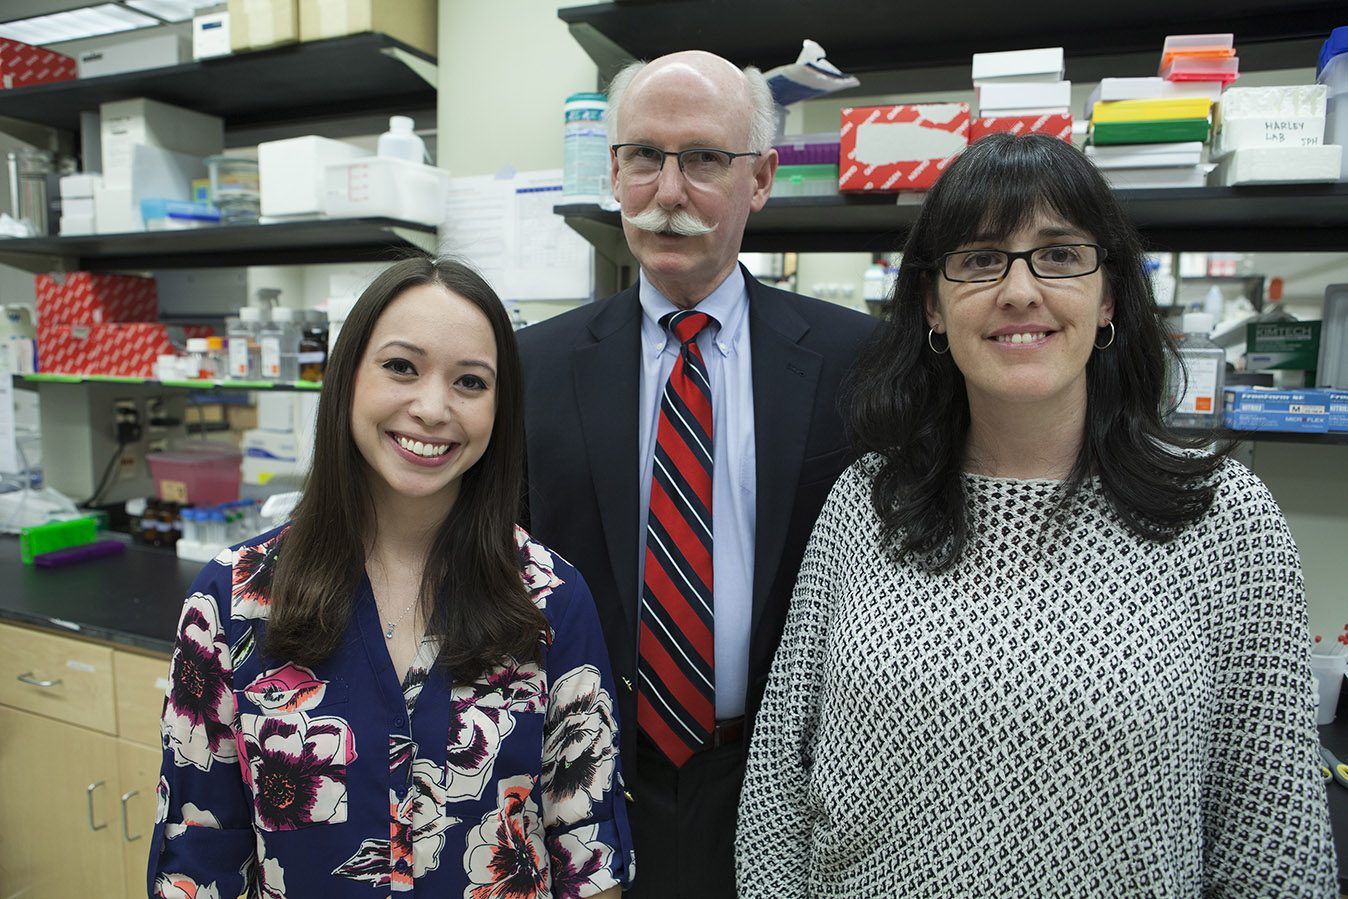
679	222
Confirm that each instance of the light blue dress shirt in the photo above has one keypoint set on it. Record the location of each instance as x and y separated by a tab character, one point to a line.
725	349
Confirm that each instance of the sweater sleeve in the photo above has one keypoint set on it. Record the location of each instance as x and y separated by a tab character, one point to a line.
1266	821
777	809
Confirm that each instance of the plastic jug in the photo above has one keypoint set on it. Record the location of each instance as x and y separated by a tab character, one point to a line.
400	141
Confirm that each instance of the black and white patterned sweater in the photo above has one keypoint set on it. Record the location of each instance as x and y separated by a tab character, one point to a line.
1069	712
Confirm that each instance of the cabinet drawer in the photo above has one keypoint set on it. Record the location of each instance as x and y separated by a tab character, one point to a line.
62	678
141	682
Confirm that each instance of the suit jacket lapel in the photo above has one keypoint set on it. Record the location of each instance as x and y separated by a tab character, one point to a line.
606	390
786	376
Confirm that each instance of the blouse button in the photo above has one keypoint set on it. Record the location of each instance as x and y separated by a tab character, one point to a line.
400	865
397	722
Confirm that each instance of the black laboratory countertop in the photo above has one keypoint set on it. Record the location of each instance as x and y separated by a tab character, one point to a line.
1334	737
131	599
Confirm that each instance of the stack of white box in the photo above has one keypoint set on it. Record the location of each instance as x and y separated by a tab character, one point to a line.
77	203
1021	83
1272	135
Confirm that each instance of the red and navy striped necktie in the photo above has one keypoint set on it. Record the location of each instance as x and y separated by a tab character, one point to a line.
675	667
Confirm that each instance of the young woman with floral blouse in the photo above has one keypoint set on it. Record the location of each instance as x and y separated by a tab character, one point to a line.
398	689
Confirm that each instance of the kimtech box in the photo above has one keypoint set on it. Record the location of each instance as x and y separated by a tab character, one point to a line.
1282	346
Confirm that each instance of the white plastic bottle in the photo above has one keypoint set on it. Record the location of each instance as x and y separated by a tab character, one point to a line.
400	141
279	344
198	365
1196	392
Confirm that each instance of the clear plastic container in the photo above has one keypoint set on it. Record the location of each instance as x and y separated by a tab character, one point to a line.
1333	73
198	363
279	342
245	362
200	474
1196	390
235	189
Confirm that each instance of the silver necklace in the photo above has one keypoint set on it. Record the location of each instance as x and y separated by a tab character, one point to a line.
388	634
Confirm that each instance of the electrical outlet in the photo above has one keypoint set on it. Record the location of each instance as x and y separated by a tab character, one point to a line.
126	421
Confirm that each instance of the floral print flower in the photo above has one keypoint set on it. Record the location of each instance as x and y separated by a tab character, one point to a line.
506	857
580	747
482	715
579	858
192	816
180	886
536	567
199	704
290	688
417	834
253	567
270	876
296	767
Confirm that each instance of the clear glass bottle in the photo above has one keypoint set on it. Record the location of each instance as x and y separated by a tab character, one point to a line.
314	346
1196	390
216	360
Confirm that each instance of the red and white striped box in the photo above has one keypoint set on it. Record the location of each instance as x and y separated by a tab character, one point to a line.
1059	126
892	148
22	64
93	298
124	349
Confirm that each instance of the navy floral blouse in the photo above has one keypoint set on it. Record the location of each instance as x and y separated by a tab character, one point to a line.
282	781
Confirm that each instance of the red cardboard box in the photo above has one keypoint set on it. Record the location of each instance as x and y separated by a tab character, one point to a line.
93	298
22	65
893	148
125	349
1060	126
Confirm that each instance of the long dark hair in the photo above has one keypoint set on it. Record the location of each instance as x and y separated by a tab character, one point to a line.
472	582
909	404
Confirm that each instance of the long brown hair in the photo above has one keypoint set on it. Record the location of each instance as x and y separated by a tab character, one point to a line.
472	584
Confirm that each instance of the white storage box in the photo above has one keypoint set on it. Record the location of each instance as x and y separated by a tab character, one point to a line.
126	124
382	187
269	454
997	97
1043	64
132	56
1278	165
291	173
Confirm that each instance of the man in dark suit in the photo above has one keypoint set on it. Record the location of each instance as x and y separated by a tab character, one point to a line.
692	159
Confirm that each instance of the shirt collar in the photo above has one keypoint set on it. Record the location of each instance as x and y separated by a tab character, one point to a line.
728	304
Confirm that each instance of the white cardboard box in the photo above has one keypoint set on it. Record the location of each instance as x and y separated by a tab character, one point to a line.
290	173
269	454
1278	165
1042	64
127	123
210	34
131	56
997	96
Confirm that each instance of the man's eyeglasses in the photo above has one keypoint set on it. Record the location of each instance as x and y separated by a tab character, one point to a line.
1057	261
640	163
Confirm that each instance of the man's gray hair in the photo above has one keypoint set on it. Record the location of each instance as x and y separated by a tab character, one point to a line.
762	124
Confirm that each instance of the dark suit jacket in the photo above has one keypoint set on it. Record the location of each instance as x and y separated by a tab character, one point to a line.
582	376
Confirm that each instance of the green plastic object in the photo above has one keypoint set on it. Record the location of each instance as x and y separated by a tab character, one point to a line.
55	535
1149	132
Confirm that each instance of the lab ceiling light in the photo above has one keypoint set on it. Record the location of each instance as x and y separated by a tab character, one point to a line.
168	10
91	21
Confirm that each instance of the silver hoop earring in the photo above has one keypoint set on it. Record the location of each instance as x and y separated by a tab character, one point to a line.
930	332
1110	342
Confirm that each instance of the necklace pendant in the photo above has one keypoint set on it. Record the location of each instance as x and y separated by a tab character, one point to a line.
388	634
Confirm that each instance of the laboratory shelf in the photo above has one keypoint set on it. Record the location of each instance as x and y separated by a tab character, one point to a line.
1267	218
225	386
288	243
344	76
862	36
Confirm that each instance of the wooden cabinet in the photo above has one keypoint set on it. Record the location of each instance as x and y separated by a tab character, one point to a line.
79	760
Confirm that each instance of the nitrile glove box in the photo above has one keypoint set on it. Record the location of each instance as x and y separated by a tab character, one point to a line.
1338	409
269	454
1252	408
290	173
906	147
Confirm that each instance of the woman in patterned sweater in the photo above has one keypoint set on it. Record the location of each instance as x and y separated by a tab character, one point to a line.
399	689
1036	647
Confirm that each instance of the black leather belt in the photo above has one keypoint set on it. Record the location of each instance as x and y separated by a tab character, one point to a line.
731	730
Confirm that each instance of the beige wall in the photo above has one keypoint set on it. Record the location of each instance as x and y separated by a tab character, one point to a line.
506	69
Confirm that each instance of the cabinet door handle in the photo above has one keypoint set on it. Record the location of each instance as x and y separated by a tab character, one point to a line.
126	832
89	795
29	679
